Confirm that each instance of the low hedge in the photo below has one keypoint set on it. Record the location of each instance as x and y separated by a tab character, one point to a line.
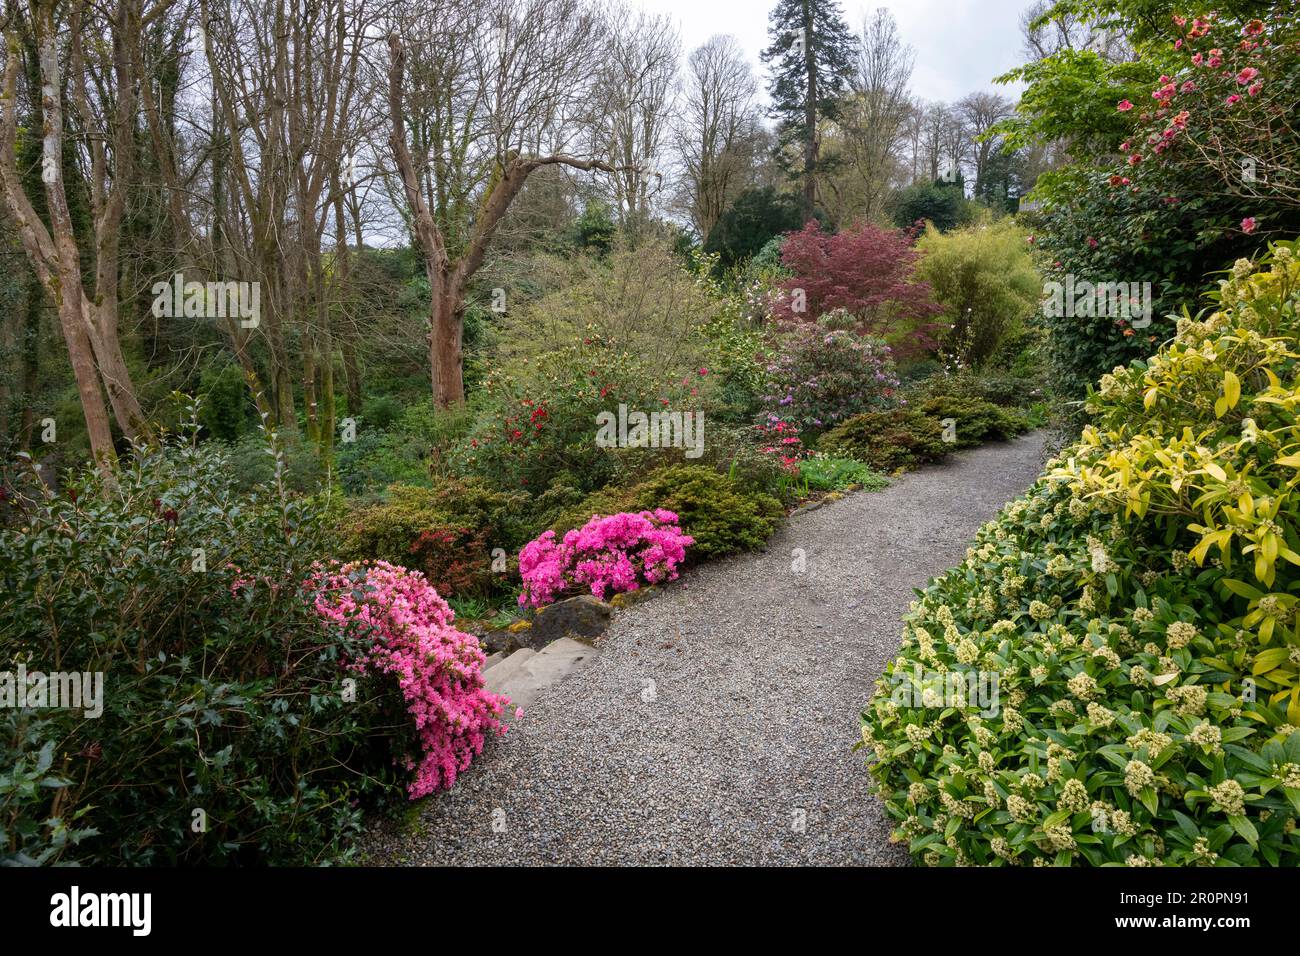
887	441
720	513
975	421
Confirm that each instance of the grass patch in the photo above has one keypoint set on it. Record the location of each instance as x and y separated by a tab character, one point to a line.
827	473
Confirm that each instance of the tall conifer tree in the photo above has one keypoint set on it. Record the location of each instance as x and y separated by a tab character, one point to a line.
809	59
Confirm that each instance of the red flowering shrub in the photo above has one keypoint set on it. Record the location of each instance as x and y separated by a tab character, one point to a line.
868	272
454	560
781	440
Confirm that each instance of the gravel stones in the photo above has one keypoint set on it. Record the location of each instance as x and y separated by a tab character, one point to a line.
715	726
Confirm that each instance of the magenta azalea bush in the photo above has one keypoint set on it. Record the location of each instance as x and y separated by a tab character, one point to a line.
438	668
606	555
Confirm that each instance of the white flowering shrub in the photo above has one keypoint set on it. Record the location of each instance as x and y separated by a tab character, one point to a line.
1137	699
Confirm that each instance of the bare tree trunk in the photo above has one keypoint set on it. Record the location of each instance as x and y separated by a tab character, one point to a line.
83	370
445	352
56	266
31	355
810	118
448	280
351	370
325	344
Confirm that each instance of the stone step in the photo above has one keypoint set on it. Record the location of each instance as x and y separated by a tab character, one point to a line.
495	657
503	671
547	667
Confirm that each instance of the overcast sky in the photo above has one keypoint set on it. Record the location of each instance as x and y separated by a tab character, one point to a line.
960	44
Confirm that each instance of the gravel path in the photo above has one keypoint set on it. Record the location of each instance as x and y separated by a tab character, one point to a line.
720	714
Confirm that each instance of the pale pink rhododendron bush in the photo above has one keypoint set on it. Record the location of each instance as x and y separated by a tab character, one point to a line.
612	554
438	668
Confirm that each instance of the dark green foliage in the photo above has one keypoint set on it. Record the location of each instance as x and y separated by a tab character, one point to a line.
376	460
750	223
222	691
898	438
226	408
594	229
976	421
380	411
715	509
939	203
254	468
411	451
1109	234
1005	179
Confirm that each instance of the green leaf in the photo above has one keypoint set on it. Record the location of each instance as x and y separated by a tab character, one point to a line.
1246	829
1242	589
1186	824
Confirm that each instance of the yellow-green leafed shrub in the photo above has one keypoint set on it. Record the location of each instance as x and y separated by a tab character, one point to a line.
1109	677
1205	437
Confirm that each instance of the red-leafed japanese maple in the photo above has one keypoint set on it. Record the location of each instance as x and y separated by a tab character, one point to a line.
868	272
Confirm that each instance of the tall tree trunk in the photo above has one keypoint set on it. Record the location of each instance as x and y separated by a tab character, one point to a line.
351	375
286	415
113	368
309	398
31	355
351	371
810	117
83	369
447	319
11	332
324	341
54	258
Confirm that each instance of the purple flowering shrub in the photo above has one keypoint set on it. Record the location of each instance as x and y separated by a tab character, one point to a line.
823	374
612	554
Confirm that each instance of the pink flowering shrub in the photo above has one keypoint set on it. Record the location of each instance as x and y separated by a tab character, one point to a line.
611	554
437	667
1227	108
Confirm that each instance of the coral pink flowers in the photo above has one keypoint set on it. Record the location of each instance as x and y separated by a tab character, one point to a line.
437	667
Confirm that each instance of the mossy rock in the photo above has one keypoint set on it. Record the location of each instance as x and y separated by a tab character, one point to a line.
629	598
